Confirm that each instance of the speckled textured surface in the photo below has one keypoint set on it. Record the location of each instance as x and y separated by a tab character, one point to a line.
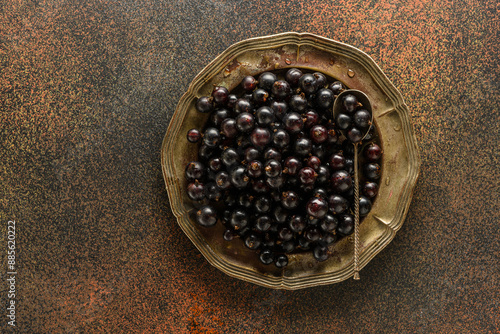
86	91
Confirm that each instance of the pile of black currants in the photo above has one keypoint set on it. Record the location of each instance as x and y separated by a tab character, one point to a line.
274	169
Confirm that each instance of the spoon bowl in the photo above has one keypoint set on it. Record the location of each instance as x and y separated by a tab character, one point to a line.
362	98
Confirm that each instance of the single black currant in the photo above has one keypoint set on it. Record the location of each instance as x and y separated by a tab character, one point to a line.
292	76
204	104
194	170
206	216
193	136
266	80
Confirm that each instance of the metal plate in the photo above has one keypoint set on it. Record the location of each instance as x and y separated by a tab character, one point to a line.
400	164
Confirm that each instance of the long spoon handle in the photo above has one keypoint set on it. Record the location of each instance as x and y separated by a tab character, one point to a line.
356	214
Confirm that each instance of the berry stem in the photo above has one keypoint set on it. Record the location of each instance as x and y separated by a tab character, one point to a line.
356	213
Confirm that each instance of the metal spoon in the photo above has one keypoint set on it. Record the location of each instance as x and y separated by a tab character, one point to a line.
338	108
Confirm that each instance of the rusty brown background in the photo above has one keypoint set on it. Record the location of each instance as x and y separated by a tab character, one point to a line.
87	89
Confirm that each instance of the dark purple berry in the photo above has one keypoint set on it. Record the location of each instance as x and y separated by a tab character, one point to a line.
220	95
343	121
370	189
239	219
272	168
350	103
196	191
204	104
230	157
337	204
365	205
222	180
318	134
215	164
354	135
373	152
298	103
311	118
372	171
245	122
290	199
245	200
266	256
253	241
312	234
228	128
264	116
229	235
328	223
328	239
205	152
280	108
324	98
206	216
243	105
272	153
320	79
362	118
239	177
262	204
307	175
317	207
275	182
292	76
255	168
260	137
320	192
293	122
251	153
320	253
260	186
336	87
323	174
341	181
303	146
263	223
193	136
281	261
346	224
337	161
281	89
212	192
313	162
231	101
260	96
284	233
266	80
297	223
333	136
281	138
194	170
249	83
292	166
211	137
218	116
280	214
308	84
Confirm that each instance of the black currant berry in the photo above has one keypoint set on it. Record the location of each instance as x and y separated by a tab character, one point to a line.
292	76
204	104
206	216
193	136
220	95
266	80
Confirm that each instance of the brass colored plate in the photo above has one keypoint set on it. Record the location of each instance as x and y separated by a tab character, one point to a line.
400	163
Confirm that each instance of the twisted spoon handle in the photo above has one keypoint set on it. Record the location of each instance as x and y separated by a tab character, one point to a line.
356	214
